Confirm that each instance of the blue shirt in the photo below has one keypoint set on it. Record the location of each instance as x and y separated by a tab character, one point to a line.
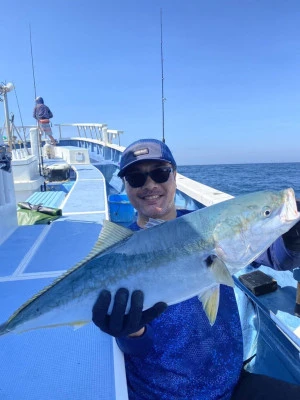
180	356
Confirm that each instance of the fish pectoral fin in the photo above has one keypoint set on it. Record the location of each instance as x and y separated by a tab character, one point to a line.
210	302
219	271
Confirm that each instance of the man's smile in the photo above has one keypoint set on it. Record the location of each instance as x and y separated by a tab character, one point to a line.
152	197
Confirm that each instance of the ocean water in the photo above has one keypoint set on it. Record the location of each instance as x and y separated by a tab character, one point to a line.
237	179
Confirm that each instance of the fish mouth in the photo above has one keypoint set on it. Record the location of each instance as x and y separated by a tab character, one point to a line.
289	210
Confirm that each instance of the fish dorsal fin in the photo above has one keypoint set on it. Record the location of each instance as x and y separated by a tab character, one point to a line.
219	271
110	234
210	302
153	222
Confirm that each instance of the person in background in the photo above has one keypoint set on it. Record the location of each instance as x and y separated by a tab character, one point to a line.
173	352
43	114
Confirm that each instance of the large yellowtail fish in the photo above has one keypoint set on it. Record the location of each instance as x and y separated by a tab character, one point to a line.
171	262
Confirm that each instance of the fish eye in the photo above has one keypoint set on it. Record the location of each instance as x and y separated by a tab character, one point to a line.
267	212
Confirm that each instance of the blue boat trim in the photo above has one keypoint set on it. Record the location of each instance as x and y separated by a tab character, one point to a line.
278	346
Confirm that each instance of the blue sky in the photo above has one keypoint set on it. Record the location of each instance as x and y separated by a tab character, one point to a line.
231	68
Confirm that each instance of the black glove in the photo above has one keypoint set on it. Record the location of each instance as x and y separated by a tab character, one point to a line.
118	324
292	237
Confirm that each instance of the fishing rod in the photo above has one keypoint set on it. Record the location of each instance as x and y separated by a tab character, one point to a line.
20	114
162	79
32	65
40	156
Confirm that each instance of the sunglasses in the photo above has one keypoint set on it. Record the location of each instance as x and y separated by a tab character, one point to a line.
158	175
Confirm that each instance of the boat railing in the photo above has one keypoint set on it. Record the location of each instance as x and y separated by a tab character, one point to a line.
19	135
98	132
88	131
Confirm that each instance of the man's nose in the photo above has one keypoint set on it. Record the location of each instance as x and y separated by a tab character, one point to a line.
149	182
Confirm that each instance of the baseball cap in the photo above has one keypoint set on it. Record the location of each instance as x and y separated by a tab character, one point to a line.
144	150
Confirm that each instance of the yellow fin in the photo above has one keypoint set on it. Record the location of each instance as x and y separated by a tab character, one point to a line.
210	302
79	324
76	325
219	271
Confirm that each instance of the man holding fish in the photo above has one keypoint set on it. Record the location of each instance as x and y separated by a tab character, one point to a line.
180	331
192	349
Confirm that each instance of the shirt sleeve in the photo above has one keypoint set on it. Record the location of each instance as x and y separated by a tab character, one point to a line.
140	345
278	257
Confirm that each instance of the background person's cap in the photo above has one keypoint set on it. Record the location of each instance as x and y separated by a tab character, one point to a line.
145	149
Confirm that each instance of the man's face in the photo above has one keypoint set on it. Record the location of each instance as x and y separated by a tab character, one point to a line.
152	200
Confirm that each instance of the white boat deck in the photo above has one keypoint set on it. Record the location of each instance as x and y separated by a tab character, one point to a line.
57	363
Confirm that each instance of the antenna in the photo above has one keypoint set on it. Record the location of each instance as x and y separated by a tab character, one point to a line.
162	79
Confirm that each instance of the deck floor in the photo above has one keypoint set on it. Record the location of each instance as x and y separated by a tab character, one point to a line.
57	363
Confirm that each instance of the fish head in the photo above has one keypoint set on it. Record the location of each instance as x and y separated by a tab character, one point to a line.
250	223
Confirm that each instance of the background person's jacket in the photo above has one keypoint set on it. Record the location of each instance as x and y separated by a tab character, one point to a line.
41	111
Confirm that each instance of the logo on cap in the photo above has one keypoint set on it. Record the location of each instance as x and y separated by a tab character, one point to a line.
140	152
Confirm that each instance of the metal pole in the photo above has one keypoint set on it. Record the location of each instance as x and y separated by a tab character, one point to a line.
162	79
6	113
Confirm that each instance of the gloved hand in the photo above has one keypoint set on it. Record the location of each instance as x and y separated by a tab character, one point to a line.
292	237
118	324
